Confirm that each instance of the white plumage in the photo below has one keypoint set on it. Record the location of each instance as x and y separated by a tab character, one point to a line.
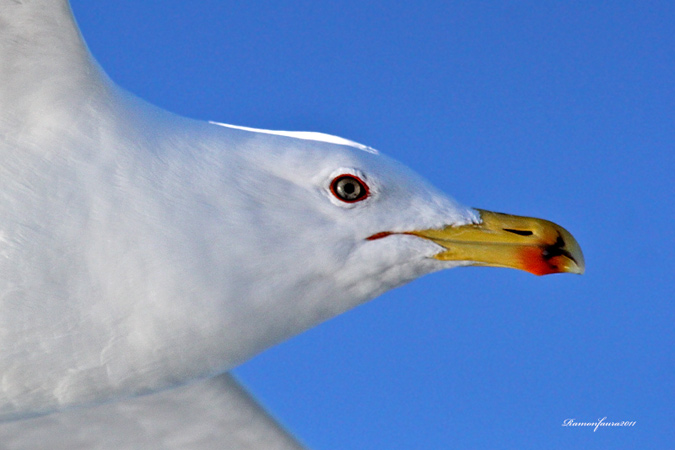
140	251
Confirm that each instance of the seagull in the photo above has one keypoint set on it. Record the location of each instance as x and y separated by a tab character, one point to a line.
144	255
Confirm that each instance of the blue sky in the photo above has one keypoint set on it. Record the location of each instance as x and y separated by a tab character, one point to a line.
560	110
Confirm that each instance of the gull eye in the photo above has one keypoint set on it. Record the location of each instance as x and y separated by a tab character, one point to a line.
349	188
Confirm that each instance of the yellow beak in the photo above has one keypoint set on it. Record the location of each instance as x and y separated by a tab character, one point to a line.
500	240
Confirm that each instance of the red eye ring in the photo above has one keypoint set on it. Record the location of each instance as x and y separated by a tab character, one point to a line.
349	188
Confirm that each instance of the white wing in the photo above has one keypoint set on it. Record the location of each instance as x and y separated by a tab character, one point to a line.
213	414
44	68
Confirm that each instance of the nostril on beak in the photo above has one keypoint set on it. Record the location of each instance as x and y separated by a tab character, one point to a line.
519	232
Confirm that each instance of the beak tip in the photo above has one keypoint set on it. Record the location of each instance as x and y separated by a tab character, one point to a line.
576	270
579	269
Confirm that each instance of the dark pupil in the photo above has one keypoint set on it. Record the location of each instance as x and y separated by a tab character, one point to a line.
349	189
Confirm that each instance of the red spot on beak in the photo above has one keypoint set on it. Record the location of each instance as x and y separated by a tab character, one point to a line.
533	261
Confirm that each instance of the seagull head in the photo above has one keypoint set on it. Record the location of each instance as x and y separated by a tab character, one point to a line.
350	223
